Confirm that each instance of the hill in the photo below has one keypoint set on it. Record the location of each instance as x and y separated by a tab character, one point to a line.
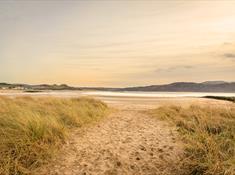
208	86
211	86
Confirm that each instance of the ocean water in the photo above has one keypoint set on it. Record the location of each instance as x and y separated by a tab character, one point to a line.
156	94
118	94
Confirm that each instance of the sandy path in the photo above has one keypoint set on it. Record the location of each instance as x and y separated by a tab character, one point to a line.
126	142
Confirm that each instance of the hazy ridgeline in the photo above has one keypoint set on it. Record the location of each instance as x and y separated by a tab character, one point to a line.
32	129
209	137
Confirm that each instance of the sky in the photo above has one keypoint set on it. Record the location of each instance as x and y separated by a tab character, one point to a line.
116	43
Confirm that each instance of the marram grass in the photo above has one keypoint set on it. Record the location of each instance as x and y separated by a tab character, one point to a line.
32	129
209	137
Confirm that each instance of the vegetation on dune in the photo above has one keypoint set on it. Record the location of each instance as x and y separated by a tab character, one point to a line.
232	99
209	137
32	91
32	129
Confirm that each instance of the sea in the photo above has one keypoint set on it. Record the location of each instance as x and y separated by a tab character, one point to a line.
118	94
156	94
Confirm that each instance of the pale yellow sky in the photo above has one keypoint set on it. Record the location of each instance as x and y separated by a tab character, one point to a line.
117	43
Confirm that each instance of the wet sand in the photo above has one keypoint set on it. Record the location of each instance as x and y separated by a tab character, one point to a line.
144	103
124	102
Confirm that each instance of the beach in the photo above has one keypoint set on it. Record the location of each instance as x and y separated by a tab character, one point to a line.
135	100
128	141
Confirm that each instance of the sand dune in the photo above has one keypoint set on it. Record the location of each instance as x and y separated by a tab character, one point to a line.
129	141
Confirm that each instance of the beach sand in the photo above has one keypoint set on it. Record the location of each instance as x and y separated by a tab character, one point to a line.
127	142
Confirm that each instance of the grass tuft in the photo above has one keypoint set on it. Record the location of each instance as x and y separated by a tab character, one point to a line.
209	137
32	129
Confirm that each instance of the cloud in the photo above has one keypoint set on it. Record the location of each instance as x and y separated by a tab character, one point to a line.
175	68
227	43
229	55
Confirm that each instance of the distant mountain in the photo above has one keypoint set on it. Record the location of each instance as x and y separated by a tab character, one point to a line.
208	86
214	82
53	87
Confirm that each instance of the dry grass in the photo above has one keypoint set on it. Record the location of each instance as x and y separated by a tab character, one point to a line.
209	137
32	129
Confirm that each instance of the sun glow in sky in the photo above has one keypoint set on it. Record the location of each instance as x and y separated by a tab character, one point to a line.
116	43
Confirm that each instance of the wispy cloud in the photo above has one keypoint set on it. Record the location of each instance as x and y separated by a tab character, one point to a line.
227	43
175	68
229	55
